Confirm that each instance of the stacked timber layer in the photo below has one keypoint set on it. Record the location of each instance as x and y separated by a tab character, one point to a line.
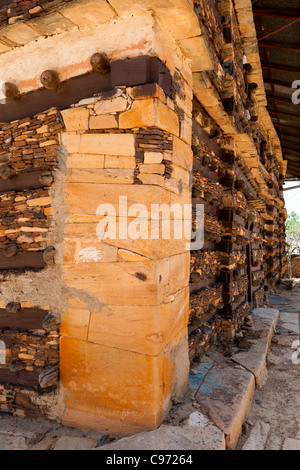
239	185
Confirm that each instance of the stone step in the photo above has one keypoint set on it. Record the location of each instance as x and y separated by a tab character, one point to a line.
225	397
255	359
226	391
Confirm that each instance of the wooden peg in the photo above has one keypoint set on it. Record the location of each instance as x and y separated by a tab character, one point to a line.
13	307
49	377
50	80
10	91
100	63
253	86
46	179
247	68
49	255
10	250
7	172
17	366
51	322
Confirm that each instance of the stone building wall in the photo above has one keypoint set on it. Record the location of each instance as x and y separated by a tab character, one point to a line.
126	143
99	330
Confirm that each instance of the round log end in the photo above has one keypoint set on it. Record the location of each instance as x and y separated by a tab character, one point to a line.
13	307
10	250
100	63
10	91
7	172
46	179
50	80
51	322
49	255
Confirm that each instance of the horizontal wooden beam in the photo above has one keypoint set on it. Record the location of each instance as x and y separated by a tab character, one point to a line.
26	318
23	377
127	72
279	46
285	126
285	68
281	100
297	149
290	189
278	83
292	150
24	180
287	134
294	168
284	137
286	150
30	260
293	144
288	115
70	92
293	160
276	13
294	164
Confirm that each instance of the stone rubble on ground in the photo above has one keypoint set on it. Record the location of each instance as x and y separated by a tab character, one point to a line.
291	444
258	437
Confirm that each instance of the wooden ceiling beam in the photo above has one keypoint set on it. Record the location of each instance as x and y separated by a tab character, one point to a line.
278	83
279	46
276	13
281	100
284	68
288	115
285	126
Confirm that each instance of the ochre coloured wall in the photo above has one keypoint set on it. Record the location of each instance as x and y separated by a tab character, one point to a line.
124	352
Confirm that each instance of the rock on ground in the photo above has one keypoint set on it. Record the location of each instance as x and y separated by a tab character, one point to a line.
74	443
291	444
258	437
172	438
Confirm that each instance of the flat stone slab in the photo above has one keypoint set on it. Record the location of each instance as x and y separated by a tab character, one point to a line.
253	362
74	443
287	317
291	327
265	321
291	444
255	359
225	397
270	313
12	442
274	442
172	438
45	444
258	437
285	341
274	300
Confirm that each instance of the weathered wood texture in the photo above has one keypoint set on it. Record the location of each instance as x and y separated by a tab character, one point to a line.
26	318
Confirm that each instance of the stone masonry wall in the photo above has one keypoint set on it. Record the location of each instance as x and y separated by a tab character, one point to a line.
126	324
28	326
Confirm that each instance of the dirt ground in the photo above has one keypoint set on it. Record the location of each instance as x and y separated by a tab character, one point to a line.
278	402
